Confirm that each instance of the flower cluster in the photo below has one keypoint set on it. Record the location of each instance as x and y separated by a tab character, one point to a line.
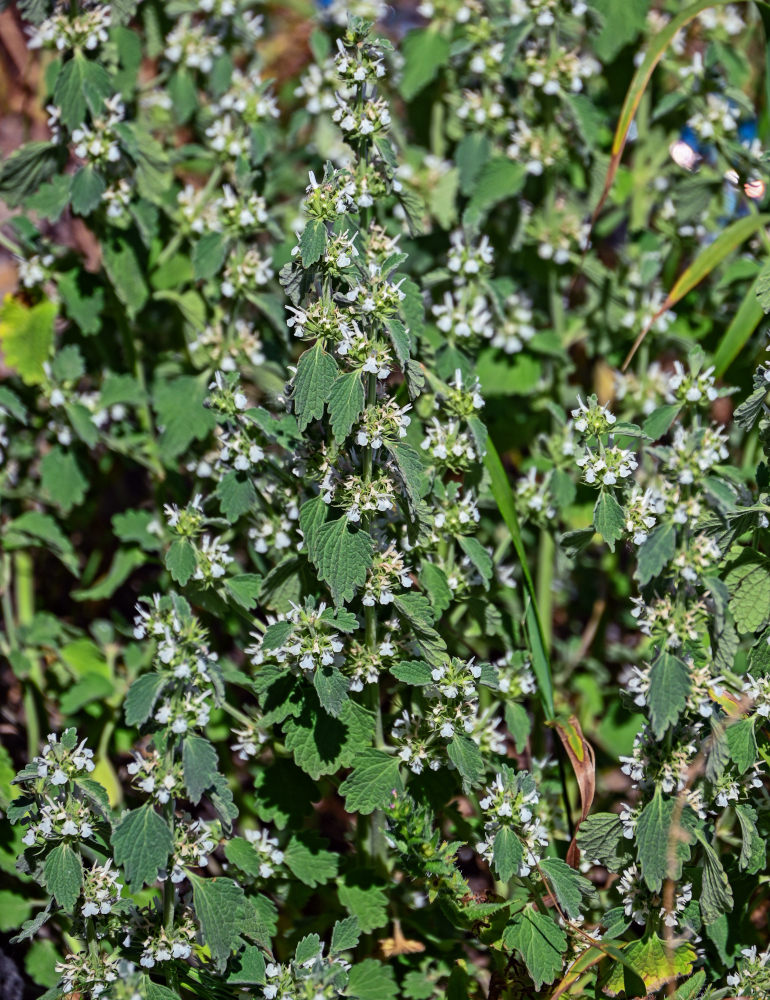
510	803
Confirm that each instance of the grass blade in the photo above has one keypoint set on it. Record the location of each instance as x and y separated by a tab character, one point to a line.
743	324
503	495
642	77
727	241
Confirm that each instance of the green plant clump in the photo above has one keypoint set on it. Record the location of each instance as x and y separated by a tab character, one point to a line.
385	481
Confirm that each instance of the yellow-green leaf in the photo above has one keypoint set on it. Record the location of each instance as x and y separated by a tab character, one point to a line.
26	335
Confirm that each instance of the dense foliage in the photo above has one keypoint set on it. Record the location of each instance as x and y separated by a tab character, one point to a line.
385	566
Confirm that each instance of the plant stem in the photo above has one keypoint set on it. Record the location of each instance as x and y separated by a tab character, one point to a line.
545	557
93	944
171	248
9	618
237	714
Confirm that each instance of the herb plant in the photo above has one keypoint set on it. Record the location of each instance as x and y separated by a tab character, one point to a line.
384	570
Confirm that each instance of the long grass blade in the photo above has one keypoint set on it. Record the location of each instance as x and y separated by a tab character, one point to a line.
503	495
735	337
727	241
642	77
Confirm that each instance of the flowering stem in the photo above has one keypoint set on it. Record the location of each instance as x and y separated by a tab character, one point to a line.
236	713
171	248
93	946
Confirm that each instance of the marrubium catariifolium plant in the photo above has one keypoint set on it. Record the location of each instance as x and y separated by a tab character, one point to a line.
328	784
377	480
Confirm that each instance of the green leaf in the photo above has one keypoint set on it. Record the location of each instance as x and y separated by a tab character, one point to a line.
236	495
123	565
466	757
343	557
716	895
425	51
208	256
142	842
26	337
346	401
307	949
412	672
589	118
620	25
434	583
248	968
61	479
133	526
25	173
92	687
365	898
181	414
199	761
539	941
413	474
63	873
141	698
35	528
14	910
660	420
470	156
87	189
748	581
371	980
40	963
752	857
751	409
180	560
742	744
693	988
569	887
345	935
11	405
500	178
371	783
69	91
399	338
507	854
417	611
478	555
322	744
284	794
241	853
313	383
244	588
762	289
332	689
667	695
655	552
663	843
645	965
126	275
519	724
312	514
221	908
312	242
309	861
608	518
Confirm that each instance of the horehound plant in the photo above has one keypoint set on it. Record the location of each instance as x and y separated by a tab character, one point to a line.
333	787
